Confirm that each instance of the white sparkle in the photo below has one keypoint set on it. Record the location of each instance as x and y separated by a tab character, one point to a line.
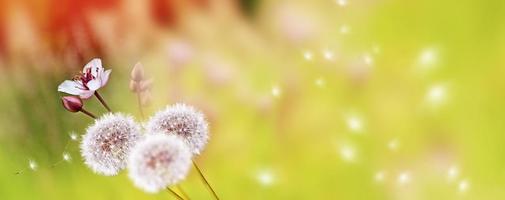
404	178
355	124
348	153
276	91
380	176
452	173
328	55
73	136
308	55
345	29
376	49
320	82
368	59
428	57
33	165
265	177
463	185
393	144
67	157
436	94
342	3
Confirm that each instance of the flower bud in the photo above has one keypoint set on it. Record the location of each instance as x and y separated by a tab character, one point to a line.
134	86
72	103
146	85
137	73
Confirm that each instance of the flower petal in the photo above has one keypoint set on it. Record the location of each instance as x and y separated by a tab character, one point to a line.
105	77
86	94
95	65
70	87
94	84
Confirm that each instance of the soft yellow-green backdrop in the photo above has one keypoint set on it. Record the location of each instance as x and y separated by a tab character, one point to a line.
377	99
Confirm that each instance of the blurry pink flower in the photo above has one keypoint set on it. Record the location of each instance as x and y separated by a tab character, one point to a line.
92	78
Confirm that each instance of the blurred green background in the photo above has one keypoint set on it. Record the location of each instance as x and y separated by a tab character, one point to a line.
345	99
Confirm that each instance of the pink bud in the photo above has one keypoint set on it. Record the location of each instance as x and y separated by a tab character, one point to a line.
72	103
138	72
134	86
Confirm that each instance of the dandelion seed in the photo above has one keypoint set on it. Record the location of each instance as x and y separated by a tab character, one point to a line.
463	185
276	91
184	121
355	124
308	55
380	176
159	161
345	29
342	3
107	143
32	165
348	153
404	178
393	144
265	177
67	157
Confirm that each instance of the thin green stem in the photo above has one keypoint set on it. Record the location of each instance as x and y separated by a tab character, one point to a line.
99	97
183	193
88	113
177	196
205	181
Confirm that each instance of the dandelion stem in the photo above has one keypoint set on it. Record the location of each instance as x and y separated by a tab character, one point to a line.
174	194
140	105
88	113
205	180
99	97
183	193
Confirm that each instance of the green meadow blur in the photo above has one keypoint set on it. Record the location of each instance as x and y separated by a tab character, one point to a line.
357	99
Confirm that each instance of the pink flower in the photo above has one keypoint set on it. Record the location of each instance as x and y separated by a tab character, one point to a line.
92	78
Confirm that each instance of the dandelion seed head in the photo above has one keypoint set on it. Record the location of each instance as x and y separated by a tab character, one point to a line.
183	121
32	165
159	161
108	142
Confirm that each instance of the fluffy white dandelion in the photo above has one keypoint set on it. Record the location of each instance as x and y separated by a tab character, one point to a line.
159	161
183	121
108	142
